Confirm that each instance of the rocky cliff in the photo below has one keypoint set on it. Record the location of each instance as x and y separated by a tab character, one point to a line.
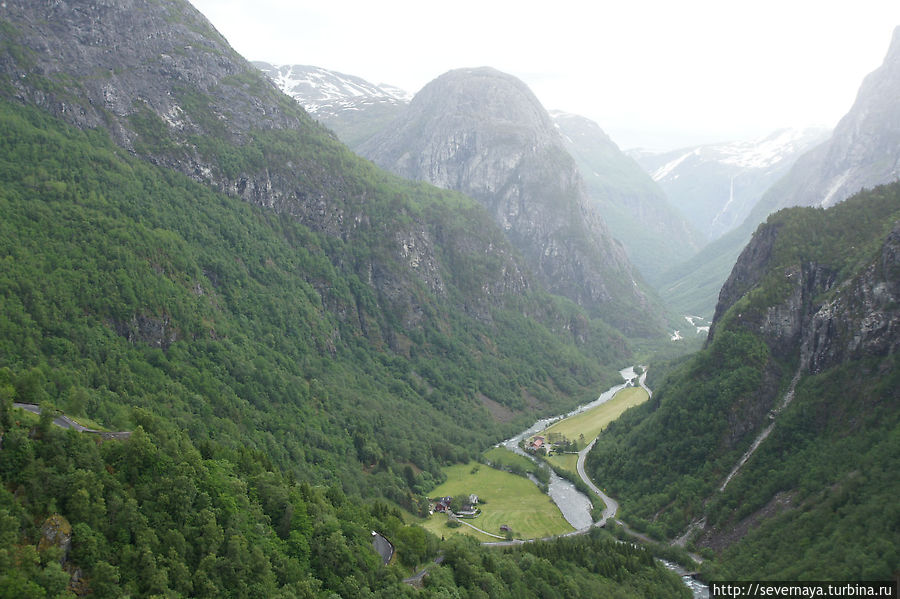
792	407
862	152
822	306
655	234
169	89
485	134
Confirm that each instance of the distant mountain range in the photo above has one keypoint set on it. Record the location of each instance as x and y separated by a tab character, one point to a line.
715	186
351	106
654	235
485	134
863	151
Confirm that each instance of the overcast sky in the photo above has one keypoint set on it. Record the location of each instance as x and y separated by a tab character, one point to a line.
653	73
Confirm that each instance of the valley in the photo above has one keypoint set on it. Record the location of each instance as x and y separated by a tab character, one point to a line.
263	327
503	477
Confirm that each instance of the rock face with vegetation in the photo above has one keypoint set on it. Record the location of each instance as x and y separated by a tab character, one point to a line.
655	234
802	357
482	132
297	341
862	152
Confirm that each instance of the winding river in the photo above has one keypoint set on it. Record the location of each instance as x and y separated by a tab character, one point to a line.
574	505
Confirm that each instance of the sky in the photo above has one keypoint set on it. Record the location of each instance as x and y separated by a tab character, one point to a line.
657	74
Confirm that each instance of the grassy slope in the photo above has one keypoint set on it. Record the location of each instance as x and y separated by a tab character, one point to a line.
511	500
592	422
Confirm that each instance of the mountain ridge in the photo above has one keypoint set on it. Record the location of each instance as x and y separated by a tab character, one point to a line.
801	357
484	133
862	152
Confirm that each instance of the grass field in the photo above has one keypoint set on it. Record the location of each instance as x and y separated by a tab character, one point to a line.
591	423
501	455
510	499
565	461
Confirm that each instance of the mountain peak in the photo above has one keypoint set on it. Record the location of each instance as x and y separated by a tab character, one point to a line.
484	133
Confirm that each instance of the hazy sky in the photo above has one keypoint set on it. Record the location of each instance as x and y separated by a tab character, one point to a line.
652	73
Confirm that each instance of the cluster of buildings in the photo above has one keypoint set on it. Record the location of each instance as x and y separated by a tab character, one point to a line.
467	508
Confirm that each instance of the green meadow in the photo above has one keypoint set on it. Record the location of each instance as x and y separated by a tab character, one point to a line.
592	422
565	461
505	457
504	498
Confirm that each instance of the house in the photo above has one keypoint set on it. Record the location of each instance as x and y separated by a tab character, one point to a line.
505	528
536	444
442	504
473	499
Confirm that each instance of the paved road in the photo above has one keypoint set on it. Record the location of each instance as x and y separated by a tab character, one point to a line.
416	579
612	506
63	421
384	547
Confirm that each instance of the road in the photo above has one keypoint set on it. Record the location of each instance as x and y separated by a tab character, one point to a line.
63	421
612	506
384	547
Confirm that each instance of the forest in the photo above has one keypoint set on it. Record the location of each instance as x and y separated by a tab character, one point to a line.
815	499
210	329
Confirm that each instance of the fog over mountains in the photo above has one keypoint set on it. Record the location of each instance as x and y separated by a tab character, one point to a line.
862	151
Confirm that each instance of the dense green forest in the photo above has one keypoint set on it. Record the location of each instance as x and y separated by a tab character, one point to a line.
261	415
157	516
127	285
813	500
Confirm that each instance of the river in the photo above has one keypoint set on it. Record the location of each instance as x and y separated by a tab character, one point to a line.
575	505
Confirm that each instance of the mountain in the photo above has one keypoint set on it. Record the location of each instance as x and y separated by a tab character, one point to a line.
783	432
485	134
297	341
336	263
655	235
632	206
862	152
717	185
348	105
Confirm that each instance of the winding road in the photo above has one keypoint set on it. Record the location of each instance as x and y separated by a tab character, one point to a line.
612	506
63	421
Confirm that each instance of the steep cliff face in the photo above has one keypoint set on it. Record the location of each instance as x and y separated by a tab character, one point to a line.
485	134
793	401
862	152
170	90
814	304
655	234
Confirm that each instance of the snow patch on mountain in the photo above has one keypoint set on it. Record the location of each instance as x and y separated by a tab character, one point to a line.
766	151
666	169
761	153
319	89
